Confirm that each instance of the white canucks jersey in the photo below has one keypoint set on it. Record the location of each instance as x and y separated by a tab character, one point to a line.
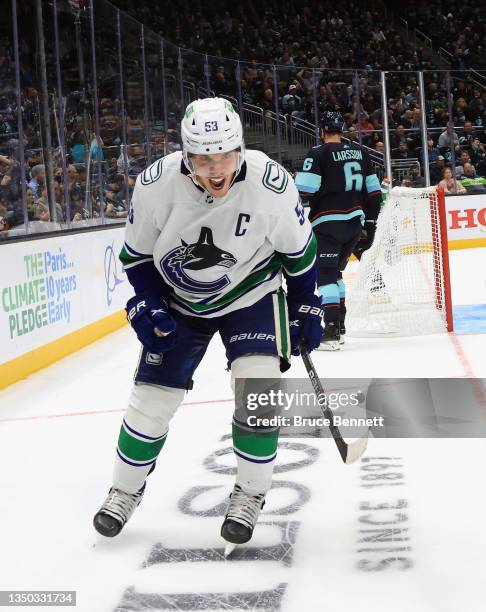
218	254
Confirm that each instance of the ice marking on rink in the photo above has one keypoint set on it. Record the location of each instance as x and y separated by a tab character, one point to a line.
264	546
91	412
384	536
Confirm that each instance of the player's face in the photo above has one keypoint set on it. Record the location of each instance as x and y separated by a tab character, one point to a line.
215	172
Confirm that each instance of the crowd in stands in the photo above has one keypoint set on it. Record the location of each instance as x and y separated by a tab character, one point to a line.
312	43
458	27
311	38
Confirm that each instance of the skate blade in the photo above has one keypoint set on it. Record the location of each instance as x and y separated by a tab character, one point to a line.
331	345
229	548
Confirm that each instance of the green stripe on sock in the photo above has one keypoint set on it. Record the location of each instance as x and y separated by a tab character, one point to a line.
256	444
138	450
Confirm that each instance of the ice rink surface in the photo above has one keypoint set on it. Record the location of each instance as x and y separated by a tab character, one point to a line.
402	530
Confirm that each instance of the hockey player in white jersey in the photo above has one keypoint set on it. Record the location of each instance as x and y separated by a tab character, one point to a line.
209	234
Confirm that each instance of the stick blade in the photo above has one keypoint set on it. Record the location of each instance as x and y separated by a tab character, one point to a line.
355	450
228	549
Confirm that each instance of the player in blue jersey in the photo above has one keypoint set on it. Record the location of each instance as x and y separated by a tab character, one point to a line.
211	231
344	197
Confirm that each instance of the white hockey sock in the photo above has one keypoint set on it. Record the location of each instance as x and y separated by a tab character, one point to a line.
143	433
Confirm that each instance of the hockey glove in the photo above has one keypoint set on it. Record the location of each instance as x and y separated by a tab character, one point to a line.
366	238
305	323
150	318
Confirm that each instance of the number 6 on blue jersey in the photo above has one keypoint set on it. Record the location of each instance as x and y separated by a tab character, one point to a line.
353	176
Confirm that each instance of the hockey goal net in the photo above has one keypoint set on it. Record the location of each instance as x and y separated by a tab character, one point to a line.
402	287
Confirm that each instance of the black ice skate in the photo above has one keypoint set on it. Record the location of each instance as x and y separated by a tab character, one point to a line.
115	512
241	516
342	326
342	332
330	338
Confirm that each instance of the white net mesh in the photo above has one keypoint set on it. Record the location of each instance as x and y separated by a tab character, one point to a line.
399	289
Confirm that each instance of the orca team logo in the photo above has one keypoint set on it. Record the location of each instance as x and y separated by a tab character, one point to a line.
111	273
200	255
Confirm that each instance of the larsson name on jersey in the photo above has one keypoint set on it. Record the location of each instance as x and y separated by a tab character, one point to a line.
346	154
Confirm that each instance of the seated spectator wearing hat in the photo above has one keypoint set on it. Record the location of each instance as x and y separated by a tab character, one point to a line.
292	103
32	158
436	170
449	185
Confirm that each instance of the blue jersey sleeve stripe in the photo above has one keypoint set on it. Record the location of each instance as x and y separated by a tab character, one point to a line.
372	183
308	182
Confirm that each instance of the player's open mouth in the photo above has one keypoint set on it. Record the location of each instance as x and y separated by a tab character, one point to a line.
217	183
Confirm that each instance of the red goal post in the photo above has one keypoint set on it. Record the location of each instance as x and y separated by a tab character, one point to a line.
402	287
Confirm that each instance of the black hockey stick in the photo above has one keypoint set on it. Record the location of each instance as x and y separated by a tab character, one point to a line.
349	452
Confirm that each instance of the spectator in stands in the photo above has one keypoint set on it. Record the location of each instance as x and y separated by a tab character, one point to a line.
468	135
402	152
292	103
468	171
367	129
478	156
436	170
476	109
42	212
398	137
30	199
469	180
37	182
76	204
116	210
6	167
449	184
459	111
81	173
464	158
109	127
444	141
32	158
72	177
268	104
78	147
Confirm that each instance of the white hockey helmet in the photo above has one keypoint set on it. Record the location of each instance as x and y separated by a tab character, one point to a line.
211	126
